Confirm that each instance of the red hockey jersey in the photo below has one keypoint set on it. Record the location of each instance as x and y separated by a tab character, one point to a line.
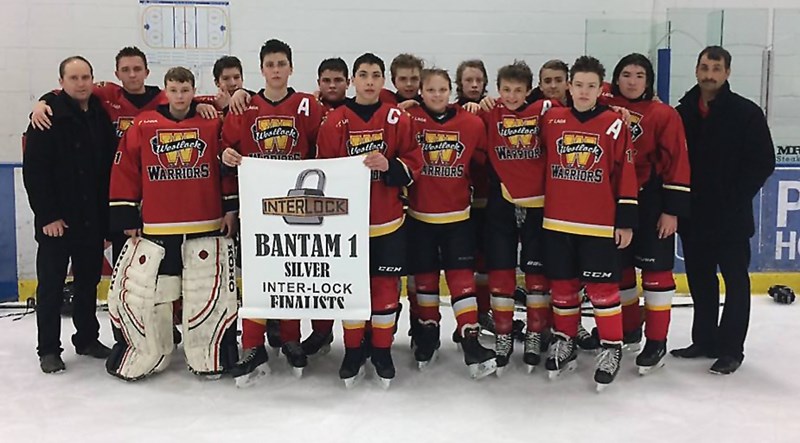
388	130
284	130
441	193
172	169
120	109
590	183
515	153
659	143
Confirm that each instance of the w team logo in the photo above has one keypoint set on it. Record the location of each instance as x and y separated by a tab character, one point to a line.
579	155
363	142
441	151
122	124
441	148
276	137
178	154
520	132
636	125
522	138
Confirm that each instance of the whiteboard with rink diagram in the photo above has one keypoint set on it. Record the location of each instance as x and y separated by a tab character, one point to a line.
193	33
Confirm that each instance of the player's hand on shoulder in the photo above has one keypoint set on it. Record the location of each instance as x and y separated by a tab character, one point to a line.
240	100
488	103
471	107
40	116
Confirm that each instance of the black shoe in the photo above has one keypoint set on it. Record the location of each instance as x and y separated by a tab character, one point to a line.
51	363
96	350
725	366
693	351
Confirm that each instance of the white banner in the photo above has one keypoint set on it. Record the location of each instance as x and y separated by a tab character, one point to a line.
305	239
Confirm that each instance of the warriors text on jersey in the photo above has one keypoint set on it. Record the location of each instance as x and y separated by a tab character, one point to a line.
590	179
449	143
172	169
515	153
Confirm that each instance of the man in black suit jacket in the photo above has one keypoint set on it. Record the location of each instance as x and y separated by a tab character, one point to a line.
66	171
731	156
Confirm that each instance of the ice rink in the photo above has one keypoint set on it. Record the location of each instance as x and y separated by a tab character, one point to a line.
680	403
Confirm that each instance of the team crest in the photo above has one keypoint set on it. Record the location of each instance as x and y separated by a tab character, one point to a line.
636	125
122	124
521	134
363	142
579	154
178	154
276	137
441	151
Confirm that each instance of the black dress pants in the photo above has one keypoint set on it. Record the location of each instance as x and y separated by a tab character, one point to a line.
52	258
732	257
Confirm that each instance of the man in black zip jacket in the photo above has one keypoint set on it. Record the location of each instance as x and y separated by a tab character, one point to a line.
66	174
731	156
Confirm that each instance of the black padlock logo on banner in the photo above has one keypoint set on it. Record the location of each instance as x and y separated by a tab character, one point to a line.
301	191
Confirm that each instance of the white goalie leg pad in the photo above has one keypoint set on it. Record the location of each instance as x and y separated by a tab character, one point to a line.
209	301
140	303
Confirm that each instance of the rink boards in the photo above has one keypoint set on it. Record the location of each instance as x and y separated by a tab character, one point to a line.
775	246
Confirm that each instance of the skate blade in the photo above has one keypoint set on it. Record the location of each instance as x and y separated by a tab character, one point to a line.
297	372
500	371
530	368
571	366
213	376
384	383
601	387
632	347
423	365
478	371
644	370
352	381
247	380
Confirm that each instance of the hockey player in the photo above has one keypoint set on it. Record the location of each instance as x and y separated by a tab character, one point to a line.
589	212
168	164
382	133
406	70
471	81
515	159
439	227
282	124
228	78
662	169
333	81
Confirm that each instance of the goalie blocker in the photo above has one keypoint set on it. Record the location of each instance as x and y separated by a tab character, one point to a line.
150	274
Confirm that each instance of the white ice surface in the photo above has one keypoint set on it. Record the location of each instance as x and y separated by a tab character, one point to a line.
680	403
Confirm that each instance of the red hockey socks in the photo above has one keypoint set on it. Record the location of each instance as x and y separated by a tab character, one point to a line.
537	302
629	297
607	310
566	306
659	288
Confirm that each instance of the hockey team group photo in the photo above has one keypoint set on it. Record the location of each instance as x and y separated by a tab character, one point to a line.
400	219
